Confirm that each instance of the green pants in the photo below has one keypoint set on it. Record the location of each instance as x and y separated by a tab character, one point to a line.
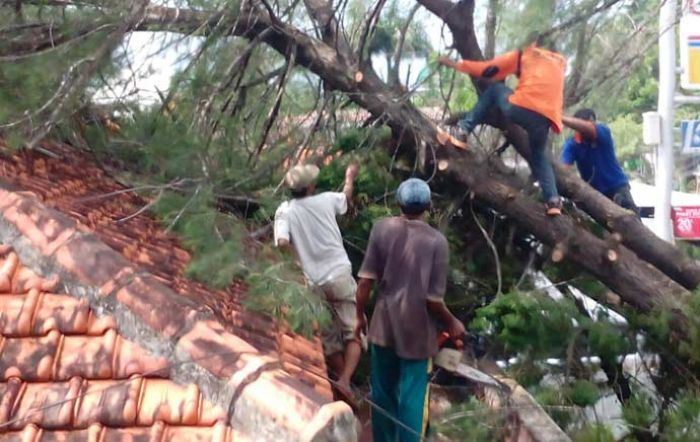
399	390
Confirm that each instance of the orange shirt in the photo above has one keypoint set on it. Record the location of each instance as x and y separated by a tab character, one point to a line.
541	84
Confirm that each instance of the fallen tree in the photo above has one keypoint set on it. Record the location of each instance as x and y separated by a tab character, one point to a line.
459	18
645	271
635	280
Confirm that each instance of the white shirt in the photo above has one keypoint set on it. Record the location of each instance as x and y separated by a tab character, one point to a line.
309	224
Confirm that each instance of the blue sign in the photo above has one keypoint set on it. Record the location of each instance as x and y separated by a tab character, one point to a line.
690	135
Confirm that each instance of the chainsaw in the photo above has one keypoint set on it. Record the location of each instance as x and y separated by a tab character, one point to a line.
453	360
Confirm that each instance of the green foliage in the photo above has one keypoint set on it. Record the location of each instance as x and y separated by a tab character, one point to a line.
273	290
641	87
215	239
593	433
529	323
583	393
639	411
384	39
528	373
690	345
29	85
606	341
555	403
570	273
682	421
627	133
471	418
656	324
464	96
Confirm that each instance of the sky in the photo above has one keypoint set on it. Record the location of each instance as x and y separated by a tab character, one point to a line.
153	67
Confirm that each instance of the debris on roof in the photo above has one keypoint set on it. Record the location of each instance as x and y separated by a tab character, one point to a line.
103	335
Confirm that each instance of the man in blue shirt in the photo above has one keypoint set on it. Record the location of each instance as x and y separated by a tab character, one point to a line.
593	150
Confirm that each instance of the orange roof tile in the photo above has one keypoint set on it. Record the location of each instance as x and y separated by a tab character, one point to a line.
61	370
99	345
75	185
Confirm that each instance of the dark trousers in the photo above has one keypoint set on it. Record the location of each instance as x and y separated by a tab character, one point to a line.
622	196
399	391
536	126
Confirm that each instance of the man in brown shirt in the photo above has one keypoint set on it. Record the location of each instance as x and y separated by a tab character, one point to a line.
409	260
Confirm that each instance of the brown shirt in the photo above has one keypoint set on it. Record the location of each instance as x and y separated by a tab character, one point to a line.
409	259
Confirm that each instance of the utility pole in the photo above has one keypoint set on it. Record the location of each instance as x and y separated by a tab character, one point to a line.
667	89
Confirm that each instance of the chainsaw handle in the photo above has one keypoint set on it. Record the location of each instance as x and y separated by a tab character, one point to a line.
444	337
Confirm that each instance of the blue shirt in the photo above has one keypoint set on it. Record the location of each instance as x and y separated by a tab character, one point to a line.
596	160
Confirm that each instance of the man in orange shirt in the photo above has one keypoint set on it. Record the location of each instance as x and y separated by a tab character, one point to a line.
535	105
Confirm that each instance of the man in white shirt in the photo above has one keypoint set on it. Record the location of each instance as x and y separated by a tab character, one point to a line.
308	223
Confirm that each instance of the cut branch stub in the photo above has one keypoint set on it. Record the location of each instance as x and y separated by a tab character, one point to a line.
614	241
359	76
446	139
459	17
559	252
442	136
639	284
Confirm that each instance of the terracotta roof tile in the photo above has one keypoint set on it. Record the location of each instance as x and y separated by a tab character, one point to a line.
63	370
16	313
110	403
86	356
161	400
9	392
131	359
46	404
210	345
147	288
48	233
153	434
30	359
217	433
75	186
98	325
64	313
96	264
66	370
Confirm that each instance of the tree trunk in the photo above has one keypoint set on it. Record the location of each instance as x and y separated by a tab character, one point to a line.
637	282
491	22
648	246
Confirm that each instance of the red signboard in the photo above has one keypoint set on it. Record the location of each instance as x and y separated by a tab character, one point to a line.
686	222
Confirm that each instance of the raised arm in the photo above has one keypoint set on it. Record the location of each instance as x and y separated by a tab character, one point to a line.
349	186
584	127
498	68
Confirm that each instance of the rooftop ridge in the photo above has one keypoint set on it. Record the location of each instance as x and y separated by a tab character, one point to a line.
260	397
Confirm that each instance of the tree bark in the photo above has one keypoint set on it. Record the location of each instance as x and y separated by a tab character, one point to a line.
648	246
637	282
491	22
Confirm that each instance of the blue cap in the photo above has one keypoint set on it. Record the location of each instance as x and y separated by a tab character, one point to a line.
413	192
